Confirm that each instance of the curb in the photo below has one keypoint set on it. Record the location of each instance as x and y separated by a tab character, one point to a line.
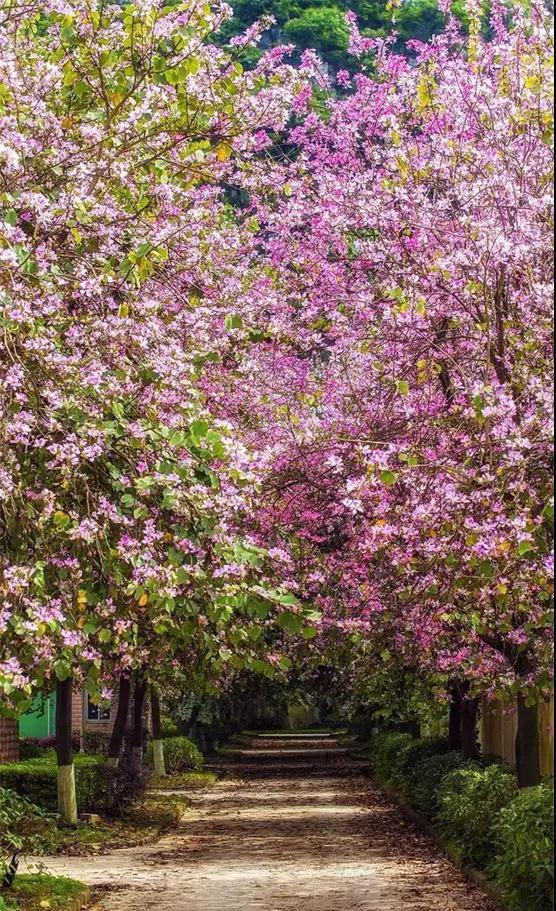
82	901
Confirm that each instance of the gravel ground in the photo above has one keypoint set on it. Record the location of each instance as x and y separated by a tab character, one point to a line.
294	824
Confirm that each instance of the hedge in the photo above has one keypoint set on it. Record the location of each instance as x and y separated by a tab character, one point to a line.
30	748
524	863
180	755
470	801
478	812
385	752
23	826
37	780
408	772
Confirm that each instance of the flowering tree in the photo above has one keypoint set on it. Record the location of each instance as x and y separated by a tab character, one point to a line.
408	236
116	484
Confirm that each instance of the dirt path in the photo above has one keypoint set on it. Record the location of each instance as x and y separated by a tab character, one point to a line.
297	828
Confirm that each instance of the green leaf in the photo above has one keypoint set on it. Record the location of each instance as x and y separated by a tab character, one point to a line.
62	669
233	321
525	547
61	519
293	623
388	477
199	429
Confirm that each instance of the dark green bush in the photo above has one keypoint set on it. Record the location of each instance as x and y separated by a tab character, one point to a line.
385	750
470	800
405	775
96	743
395	759
180	755
37	780
23	826
427	778
122	786
524	866
30	748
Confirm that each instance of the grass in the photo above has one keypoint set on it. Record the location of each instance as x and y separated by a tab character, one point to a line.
187	781
142	824
37	892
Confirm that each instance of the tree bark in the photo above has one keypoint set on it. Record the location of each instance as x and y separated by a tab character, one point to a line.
455	739
470	714
120	722
67	794
158	743
527	751
139	695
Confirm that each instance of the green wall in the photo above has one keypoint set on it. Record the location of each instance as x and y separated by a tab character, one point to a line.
40	720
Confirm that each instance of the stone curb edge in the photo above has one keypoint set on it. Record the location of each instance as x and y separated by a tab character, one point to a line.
81	901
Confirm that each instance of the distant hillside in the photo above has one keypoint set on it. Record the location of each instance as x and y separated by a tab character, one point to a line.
320	24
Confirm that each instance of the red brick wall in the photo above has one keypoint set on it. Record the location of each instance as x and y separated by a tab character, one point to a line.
79	716
9	740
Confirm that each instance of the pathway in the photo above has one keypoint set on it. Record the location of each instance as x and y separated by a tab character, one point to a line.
298	827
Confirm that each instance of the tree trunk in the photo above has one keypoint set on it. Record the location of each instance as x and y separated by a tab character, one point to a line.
158	743
120	722
527	750
67	794
455	739
139	696
470	714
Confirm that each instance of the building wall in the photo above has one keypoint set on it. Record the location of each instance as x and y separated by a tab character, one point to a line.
80	720
499	730
9	740
40	721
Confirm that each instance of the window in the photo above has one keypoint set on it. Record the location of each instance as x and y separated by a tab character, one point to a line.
95	712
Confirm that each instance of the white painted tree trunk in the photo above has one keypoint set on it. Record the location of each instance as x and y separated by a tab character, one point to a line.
67	795
159	762
137	758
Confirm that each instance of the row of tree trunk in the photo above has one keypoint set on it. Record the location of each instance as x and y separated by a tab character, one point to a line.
462	734
132	700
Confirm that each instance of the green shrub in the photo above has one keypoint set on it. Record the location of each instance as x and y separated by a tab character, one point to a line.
37	780
23	826
405	775
180	754
96	743
395	758
385	750
169	729
427	778
30	748
470	801
524	866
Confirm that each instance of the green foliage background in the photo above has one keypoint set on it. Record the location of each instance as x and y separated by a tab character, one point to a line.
320	24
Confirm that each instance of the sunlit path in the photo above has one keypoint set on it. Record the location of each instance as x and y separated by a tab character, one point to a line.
298	826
